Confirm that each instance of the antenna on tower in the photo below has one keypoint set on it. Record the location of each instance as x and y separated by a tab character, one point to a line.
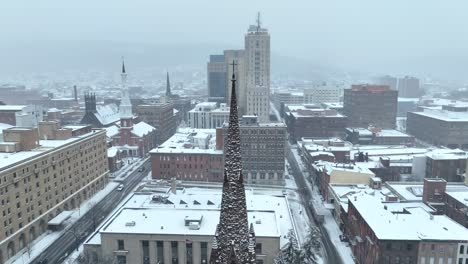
259	23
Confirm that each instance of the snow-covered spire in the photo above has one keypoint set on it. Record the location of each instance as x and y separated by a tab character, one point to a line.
252	245
233	229
125	107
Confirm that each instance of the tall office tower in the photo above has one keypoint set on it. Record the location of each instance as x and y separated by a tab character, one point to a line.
387	80
366	105
216	69
236	56
257	64
408	87
233	241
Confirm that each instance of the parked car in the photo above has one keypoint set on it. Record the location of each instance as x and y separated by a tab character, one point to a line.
121	187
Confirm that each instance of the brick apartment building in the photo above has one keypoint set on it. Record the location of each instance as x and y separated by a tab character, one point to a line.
447	164
366	105
45	171
161	117
189	155
397	232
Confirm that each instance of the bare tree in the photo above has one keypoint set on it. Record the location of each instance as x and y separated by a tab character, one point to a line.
93	214
29	247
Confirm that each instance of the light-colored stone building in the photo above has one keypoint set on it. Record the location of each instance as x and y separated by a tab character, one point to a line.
43	172
208	115
257	66
179	226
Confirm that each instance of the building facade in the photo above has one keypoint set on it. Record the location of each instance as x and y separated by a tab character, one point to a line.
257	64
21	115
304	121
322	94
366	105
41	178
208	115
263	150
408	87
217	78
159	116
189	155
439	127
238	58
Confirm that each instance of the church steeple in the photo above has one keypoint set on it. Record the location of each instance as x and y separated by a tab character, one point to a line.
125	107
168	85
232	238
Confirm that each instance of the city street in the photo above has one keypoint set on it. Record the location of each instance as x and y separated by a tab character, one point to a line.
331	254
76	233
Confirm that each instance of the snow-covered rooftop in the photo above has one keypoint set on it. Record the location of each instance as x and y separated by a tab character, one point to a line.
12	107
407	221
447	154
444	115
459	193
190	140
391	133
107	114
269	212
10	159
141	129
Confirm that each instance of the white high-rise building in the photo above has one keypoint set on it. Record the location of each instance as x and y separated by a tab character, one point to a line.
322	94
208	115
257	67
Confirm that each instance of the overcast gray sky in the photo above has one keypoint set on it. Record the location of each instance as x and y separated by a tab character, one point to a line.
398	36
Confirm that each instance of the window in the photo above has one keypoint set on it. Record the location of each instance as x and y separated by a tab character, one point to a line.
175	252
462	249
204	252
121	260
145	249
160	252
189	252
258	248
120	244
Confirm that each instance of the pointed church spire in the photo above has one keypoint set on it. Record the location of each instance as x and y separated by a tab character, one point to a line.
123	65
125	108
232	240
168	85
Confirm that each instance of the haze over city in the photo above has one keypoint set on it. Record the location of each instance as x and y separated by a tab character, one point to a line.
233	132
428	38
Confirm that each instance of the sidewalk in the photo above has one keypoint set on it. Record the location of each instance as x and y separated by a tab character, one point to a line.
121	174
44	240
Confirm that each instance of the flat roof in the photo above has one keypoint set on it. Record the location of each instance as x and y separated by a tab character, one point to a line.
11	159
12	107
444	115
149	221
407	221
391	133
190	141
268	210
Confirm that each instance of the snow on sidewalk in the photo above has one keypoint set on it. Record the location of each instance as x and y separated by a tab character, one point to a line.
44	240
127	168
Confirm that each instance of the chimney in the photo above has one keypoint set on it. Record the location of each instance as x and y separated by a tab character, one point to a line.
434	190
173	185
219	138
75	93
